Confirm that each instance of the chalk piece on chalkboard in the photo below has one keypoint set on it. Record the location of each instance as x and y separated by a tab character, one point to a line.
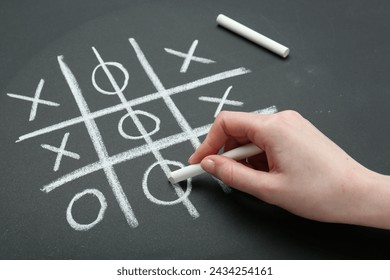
252	35
189	171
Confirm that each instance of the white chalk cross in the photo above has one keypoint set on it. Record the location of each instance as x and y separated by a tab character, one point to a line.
188	57
61	151
35	100
221	101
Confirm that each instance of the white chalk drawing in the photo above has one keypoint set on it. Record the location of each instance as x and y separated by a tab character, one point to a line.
188	57
221	101
137	152
108	73
106	163
138	101
103	207
35	100
182	195
139	112
181	121
61	151
97	141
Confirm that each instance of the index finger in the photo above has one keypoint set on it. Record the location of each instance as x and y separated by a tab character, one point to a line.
228	125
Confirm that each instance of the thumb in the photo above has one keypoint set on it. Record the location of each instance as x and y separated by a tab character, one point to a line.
237	175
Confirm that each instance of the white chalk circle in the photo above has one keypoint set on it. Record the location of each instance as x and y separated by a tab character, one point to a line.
139	112
162	202
104	65
103	207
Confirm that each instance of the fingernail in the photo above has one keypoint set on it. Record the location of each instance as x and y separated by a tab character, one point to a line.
190	158
208	165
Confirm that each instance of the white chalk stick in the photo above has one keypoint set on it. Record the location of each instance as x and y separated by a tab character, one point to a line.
195	169
252	35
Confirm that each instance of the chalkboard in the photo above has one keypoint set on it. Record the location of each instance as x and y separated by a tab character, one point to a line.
100	98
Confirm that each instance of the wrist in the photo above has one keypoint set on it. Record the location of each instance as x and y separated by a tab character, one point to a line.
371	192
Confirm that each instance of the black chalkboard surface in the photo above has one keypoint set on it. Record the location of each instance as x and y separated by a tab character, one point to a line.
100	98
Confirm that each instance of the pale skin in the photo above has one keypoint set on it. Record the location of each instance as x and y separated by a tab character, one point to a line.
301	170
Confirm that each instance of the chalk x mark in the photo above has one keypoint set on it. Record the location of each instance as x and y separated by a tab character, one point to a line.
222	101
188	57
61	151
35	100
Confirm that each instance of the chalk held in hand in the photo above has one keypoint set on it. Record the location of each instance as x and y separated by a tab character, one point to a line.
252	35
195	169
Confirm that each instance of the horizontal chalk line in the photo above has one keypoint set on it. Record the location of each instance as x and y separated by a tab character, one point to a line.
194	58
218	100
136	152
138	101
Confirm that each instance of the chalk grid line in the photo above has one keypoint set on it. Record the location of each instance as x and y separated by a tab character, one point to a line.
138	101
164	166
98	144
181	121
106	162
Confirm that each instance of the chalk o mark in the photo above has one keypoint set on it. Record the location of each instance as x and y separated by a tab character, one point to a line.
138	112
104	66
103	206
162	202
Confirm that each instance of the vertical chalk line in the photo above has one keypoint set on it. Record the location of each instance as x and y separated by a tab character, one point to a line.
136	152
187	60
182	122
37	94
220	105
130	110
98	144
164	166
137	101
61	151
169	103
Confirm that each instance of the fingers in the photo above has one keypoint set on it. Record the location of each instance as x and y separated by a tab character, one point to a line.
229	128
238	175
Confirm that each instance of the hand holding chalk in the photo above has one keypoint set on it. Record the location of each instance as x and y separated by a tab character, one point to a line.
301	170
239	153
